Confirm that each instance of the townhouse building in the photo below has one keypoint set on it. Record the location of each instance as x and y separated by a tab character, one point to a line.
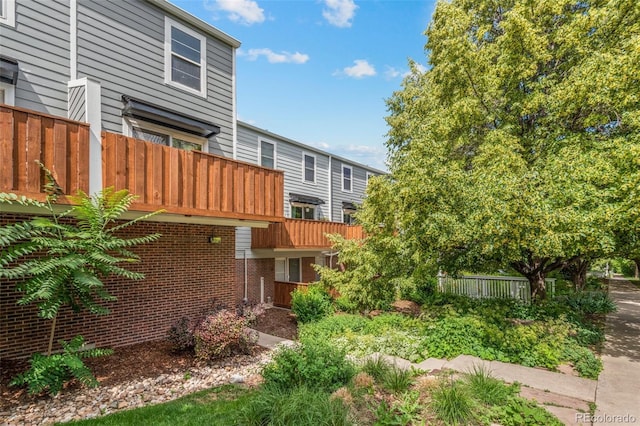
140	95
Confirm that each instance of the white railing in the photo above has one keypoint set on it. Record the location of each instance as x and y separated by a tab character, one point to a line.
485	287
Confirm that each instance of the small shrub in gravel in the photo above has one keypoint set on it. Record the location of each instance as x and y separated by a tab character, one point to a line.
222	334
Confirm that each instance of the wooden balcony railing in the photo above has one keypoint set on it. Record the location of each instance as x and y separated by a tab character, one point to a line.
298	233
191	182
61	145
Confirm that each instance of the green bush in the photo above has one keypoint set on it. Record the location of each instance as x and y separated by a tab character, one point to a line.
332	326
344	304
419	291
299	406
311	305
51	372
487	389
590	302
583	360
316	364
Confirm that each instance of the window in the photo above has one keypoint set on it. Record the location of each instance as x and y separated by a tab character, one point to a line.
348	218
309	168
167	137
301	211
8	12
294	270
347	173
267	154
7	93
185	58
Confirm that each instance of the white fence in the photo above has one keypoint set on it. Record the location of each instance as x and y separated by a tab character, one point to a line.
484	287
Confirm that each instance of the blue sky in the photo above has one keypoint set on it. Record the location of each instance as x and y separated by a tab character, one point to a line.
319	71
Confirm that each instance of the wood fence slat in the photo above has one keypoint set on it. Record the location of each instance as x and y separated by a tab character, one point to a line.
20	129
72	159
7	157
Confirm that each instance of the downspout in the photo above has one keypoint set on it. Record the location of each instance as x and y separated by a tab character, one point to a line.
246	295
330	189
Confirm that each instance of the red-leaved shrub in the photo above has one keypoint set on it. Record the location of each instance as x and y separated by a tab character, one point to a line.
223	333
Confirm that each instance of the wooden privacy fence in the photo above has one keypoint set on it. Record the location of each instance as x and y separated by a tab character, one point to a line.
191	182
301	233
61	145
282	292
484	287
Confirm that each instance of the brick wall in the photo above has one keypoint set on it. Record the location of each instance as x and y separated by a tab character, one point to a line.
184	275
256	268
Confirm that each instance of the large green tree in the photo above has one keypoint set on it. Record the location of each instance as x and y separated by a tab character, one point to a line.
510	148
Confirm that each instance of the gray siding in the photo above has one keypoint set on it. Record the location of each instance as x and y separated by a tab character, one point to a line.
121	44
40	43
289	159
77	107
358	185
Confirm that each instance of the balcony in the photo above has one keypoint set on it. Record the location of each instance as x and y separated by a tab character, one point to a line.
191	182
301	234
62	145
185	183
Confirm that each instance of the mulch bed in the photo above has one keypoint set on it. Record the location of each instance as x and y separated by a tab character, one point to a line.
143	360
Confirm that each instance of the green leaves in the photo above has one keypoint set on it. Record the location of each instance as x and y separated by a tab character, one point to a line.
520	143
63	261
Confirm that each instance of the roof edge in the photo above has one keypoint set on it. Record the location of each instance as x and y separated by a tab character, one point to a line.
196	22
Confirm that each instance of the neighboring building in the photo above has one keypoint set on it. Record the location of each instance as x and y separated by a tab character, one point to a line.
321	194
139	94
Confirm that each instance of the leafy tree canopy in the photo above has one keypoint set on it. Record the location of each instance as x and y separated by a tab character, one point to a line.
519	145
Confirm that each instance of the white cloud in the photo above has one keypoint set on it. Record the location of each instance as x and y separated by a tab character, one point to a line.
245	12
275	58
392	73
361	69
339	12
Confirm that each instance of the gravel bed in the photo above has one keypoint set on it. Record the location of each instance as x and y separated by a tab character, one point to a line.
89	403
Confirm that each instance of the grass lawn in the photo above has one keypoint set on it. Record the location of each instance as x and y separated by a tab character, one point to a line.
215	406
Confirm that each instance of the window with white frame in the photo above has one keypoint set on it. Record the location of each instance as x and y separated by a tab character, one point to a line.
7	93
185	58
8	12
267	154
303	211
347	178
167	137
309	168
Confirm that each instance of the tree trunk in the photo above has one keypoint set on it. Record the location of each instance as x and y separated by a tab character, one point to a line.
52	332
538	285
637	273
579	274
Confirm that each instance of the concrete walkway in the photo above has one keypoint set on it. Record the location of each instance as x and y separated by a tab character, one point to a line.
618	393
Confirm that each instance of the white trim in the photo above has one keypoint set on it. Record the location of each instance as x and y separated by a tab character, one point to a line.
9	93
73	39
168	53
315	168
234	111
344	166
9	13
129	123
275	148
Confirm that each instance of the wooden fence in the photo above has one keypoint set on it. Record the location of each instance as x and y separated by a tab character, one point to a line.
300	233
481	287
282	292
27	137
191	182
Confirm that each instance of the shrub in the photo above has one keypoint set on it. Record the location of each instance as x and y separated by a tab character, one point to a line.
311	305
344	304
316	364
584	361
591	302
332	326
181	335
297	406
419	291
51	372
221	334
452	403
376	367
